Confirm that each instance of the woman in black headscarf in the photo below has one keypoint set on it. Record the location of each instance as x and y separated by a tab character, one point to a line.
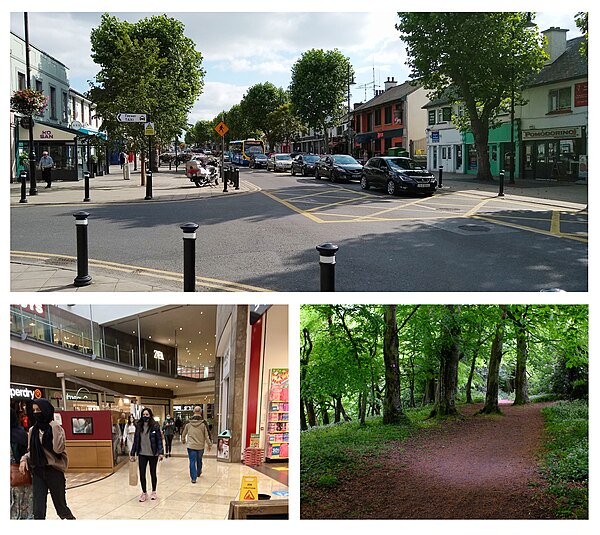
47	461
21	498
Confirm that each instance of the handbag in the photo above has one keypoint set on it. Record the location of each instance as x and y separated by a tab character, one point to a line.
133	473
17	479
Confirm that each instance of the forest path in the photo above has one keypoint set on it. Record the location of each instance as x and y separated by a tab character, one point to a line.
483	467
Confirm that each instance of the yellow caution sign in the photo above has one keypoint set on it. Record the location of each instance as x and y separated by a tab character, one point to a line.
249	488
222	128
149	129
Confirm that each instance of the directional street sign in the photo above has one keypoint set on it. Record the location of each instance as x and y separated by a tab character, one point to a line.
132	117
222	128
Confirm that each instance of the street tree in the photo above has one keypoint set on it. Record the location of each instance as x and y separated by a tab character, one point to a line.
479	60
145	67
581	19
283	125
199	134
318	89
258	102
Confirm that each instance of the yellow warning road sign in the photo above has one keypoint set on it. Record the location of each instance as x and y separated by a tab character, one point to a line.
249	488
222	128
149	129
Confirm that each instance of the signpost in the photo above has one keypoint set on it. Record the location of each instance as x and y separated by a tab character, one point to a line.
222	129
132	117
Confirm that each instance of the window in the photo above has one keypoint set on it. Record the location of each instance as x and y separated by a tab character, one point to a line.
398	113
65	106
378	117
447	114
74	108
38	85
22	83
52	102
559	99
369	122
357	123
388	115
431	117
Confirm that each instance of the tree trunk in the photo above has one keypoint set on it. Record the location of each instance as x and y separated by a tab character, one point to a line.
470	379
521	385
481	136
429	389
311	413
491	394
392	406
445	402
303	423
346	417
363	407
324	413
337	415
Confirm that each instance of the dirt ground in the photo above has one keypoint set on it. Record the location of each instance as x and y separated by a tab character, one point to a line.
479	467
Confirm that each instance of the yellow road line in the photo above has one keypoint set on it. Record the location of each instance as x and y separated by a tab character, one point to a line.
292	207
398	207
323	193
530	229
149	272
476	208
338	203
555	224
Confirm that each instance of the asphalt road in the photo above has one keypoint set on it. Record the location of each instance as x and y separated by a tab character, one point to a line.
267	239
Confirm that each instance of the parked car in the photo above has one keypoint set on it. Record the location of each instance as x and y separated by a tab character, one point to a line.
395	174
258	160
338	167
279	162
304	164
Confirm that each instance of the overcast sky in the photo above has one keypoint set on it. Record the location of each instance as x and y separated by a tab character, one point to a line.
241	49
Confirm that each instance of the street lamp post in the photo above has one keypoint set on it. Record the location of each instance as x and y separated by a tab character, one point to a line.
349	129
32	183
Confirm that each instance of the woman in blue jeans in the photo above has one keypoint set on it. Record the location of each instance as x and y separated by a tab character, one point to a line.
148	445
198	435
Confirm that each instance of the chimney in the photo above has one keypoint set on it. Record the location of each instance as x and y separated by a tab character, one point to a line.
390	83
556	43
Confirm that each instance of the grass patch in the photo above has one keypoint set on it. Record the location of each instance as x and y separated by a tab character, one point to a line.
566	460
330	453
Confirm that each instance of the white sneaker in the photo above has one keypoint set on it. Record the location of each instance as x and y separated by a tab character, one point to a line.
143	497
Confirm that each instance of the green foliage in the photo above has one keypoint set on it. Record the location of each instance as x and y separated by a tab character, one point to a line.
567	461
259	101
283	125
581	19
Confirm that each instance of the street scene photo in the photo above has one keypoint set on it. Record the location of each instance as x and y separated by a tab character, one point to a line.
151	153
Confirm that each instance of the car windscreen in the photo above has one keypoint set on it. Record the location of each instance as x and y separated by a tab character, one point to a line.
403	164
344	159
260	157
310	158
283	157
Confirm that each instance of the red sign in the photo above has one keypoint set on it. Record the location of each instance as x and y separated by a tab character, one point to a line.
39	310
581	94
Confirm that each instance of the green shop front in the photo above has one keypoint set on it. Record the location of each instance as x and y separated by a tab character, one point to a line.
73	151
499	147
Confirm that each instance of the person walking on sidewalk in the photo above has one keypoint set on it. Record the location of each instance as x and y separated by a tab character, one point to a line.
47	460
197	434
168	431
46	165
148	445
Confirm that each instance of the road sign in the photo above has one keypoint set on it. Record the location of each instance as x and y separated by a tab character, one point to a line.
149	129
132	117
222	128
249	488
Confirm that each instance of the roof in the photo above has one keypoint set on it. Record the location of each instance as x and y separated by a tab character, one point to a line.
392	94
40	50
568	66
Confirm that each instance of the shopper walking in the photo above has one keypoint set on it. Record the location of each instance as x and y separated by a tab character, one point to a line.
148	446
47	460
178	426
197	435
130	433
46	165
21	496
168	431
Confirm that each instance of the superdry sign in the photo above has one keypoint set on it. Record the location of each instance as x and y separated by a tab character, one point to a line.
25	392
567	132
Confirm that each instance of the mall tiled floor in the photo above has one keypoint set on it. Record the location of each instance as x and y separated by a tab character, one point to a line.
178	498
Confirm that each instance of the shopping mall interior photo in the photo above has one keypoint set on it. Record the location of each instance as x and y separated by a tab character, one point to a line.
105	367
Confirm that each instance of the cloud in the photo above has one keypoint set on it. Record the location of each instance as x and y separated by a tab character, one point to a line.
215	98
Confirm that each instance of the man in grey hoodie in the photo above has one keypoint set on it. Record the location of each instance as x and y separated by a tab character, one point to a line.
197	434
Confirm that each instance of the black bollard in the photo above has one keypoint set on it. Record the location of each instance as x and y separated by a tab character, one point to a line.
501	185
226	177
189	256
236	178
23	178
86	179
148	185
327	265
81	221
441	170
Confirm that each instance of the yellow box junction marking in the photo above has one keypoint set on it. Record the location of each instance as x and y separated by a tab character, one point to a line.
249	488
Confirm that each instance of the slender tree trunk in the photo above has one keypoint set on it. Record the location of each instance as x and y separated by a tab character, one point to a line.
311	413
521	385
392	406
429	389
470	379
445	402
305	352
303	423
337	415
343	411
324	413
491	395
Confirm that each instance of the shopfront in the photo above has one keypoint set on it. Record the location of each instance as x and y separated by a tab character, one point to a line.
555	153
499	150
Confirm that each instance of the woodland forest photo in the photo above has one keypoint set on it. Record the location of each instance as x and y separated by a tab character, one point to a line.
444	411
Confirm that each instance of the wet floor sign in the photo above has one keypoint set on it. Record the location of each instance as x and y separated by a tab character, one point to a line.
249	489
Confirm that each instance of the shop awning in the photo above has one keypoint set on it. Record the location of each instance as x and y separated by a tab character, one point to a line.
364	138
89	132
396	132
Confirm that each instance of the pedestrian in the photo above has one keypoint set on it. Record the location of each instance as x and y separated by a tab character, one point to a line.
148	446
130	432
47	460
21	495
122	158
178	426
197	434
168	431
122	421
46	165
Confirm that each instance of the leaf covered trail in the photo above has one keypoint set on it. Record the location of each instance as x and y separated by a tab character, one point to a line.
479	467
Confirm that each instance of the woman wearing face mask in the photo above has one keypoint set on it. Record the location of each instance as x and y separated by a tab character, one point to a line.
47	460
148	445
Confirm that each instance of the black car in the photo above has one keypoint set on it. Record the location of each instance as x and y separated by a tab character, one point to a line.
304	164
258	160
338	167
395	174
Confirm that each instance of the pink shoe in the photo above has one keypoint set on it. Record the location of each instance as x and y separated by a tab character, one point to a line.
153	495
143	497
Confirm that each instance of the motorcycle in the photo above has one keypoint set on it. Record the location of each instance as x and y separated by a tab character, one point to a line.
207	174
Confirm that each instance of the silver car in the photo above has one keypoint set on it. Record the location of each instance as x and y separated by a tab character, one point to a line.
279	162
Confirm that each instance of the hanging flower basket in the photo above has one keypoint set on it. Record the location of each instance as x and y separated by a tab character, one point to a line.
28	102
